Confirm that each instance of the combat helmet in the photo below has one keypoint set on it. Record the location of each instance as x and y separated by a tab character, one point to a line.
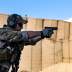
15	19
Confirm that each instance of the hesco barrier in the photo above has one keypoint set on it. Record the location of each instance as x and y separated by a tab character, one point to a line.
46	52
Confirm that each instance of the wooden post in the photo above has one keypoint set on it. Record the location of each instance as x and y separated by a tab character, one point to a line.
58	51
70	42
66	51
37	49
3	19
47	48
70	31
66	30
70	51
60	31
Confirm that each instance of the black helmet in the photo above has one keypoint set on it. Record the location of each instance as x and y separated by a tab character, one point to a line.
15	19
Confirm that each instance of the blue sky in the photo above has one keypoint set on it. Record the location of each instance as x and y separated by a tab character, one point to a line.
51	9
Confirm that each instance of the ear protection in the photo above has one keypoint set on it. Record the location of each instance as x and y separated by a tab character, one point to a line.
12	24
13	20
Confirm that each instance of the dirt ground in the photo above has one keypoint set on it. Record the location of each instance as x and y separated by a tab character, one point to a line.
61	67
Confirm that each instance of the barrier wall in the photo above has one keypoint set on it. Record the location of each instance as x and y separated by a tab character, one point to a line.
46	52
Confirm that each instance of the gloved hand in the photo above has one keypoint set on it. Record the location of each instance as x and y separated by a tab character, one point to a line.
47	33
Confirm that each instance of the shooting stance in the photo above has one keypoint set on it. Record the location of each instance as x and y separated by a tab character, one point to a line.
13	40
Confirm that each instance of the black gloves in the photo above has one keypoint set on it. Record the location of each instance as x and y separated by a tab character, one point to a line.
46	33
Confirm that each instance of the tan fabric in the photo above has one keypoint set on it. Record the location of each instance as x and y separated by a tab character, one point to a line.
60	67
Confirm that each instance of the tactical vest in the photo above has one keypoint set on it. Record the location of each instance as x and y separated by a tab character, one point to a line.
11	46
5	49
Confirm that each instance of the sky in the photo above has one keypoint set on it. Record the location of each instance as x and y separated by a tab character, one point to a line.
50	9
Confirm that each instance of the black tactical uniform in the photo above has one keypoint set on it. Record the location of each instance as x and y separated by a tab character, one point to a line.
12	41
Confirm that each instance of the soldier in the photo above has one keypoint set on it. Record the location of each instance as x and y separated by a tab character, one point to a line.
12	41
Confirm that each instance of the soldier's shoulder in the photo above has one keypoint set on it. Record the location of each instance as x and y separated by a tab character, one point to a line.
2	29
5	31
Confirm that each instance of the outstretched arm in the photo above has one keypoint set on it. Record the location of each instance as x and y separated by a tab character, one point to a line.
27	37
31	37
